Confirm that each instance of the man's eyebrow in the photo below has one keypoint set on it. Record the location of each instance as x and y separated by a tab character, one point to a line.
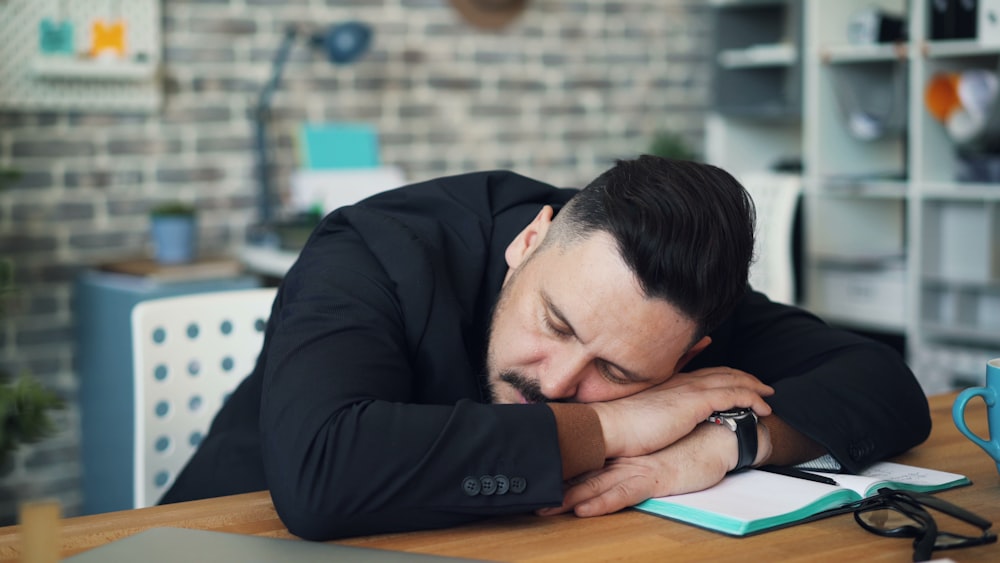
558	314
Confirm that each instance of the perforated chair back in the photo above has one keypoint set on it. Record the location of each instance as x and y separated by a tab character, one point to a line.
775	196
189	353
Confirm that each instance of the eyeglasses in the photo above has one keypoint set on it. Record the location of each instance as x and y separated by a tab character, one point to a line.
899	514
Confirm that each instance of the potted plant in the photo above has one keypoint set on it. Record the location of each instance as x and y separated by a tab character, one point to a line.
174	232
669	144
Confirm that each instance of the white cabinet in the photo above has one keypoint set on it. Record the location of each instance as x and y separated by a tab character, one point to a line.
902	223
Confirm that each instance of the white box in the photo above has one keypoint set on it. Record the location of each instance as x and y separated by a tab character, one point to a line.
967	249
988	22
865	295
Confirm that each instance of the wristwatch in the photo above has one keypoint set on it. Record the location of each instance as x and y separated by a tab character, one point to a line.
743	421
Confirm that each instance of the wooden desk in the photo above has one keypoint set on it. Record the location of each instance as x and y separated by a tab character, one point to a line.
626	536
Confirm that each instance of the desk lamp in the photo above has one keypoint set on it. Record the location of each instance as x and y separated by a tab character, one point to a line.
343	43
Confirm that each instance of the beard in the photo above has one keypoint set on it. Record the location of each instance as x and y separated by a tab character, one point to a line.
528	388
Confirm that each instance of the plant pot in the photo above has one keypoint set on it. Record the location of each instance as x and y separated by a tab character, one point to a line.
175	238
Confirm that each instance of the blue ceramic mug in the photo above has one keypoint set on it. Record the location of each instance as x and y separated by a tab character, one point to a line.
990	393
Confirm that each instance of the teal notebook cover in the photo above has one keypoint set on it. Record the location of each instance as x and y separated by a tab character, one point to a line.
755	501
330	146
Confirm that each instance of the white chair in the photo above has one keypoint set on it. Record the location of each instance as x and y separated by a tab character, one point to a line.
189	353
775	196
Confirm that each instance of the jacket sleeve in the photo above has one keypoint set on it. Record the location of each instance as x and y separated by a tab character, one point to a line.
854	396
347	450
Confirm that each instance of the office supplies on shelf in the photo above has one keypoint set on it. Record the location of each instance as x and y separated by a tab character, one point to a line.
757	501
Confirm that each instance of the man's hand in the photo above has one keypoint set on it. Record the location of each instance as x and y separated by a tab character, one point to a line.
653	419
696	462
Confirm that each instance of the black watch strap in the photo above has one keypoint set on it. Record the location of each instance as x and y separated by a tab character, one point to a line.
744	423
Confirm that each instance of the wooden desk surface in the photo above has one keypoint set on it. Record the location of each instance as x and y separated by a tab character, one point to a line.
625	536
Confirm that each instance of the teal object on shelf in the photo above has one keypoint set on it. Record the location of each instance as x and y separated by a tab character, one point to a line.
331	146
55	38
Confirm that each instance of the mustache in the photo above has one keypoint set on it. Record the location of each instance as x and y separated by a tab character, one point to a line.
529	389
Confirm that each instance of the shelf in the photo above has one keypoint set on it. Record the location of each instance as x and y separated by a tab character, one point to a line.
936	281
65	68
958	48
945	191
884	52
758	56
975	335
860	324
768	112
863	187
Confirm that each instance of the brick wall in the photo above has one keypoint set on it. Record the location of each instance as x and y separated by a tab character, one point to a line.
570	86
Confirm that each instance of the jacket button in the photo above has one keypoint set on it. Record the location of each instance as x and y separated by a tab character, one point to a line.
518	485
470	485
503	484
488	485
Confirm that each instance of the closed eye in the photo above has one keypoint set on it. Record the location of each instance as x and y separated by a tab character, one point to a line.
560	331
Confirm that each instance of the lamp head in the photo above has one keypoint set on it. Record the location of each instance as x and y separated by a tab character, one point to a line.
344	42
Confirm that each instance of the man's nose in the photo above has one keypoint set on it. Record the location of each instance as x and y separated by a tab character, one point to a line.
563	375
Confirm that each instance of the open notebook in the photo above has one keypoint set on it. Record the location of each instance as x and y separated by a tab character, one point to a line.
755	501
175	545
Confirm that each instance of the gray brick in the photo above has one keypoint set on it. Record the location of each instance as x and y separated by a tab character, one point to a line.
52	148
189	175
129	206
177	54
237	144
221	27
53	272
185	114
155	145
454	83
62	211
407	111
495	110
102	178
27	337
226	85
14	244
49	456
521	85
576	84
382	84
78	119
103	240
34	179
42	304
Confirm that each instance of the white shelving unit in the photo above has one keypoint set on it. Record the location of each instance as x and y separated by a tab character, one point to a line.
894	241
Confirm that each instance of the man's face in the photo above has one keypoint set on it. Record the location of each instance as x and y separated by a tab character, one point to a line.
572	324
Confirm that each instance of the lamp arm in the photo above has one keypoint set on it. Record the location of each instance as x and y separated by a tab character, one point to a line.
261	116
277	68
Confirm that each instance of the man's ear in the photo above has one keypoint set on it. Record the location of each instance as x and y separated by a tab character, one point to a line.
692	352
529	239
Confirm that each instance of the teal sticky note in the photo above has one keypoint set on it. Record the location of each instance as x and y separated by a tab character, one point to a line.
55	38
326	146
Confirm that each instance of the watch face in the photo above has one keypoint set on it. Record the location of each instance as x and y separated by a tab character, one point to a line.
735	412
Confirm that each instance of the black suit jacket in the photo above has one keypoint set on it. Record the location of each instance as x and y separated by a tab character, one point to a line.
367	412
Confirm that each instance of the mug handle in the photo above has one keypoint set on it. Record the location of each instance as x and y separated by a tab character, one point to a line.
958	413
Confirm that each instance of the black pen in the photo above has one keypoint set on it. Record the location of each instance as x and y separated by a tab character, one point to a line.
799	474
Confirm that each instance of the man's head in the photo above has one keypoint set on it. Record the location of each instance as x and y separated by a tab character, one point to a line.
618	292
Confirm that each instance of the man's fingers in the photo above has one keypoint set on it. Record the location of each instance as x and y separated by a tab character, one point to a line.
622	494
